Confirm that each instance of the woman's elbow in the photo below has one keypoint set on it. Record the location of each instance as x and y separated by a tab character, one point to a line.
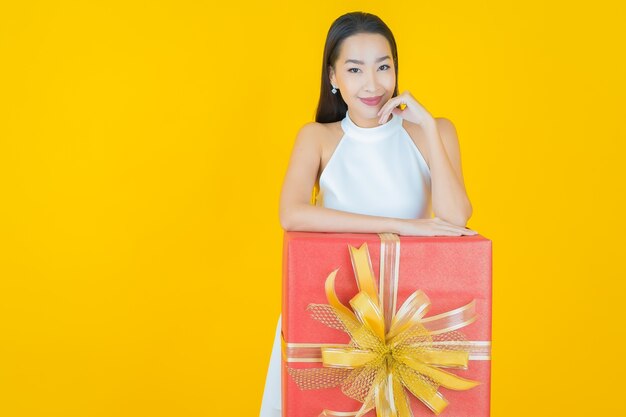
462	219
459	219
456	221
286	219
292	216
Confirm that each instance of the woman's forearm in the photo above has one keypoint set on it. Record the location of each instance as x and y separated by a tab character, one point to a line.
310	218
449	199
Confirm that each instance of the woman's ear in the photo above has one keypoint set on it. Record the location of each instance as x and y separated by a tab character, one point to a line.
331	75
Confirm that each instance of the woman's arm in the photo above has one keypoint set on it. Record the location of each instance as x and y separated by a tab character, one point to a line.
309	218
450	200
296	211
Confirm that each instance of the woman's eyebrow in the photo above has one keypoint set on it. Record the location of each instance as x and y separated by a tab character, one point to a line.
356	61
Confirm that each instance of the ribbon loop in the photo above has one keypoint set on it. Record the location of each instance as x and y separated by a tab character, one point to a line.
362	265
369	314
409	314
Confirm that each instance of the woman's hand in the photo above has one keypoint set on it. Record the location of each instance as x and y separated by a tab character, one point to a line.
431	227
413	112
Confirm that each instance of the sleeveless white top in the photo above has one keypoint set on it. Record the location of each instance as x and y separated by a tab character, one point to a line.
376	171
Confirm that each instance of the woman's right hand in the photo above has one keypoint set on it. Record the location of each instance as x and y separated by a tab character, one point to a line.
431	227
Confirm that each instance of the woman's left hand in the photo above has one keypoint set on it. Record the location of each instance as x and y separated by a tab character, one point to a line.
413	112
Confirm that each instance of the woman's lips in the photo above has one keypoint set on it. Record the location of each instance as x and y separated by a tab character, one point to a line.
372	101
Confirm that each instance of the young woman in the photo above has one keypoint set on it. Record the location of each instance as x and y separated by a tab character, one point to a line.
375	168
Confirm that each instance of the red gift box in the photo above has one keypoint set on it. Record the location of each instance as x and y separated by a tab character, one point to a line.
454	273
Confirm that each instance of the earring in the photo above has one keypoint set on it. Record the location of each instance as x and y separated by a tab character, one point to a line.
334	90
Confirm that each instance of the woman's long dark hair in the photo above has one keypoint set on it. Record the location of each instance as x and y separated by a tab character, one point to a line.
331	107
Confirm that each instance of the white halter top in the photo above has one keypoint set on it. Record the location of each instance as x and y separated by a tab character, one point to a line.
376	171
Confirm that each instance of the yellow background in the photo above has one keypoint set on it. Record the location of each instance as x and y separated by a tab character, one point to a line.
143	146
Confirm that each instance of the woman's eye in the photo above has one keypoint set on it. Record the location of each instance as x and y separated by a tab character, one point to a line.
357	69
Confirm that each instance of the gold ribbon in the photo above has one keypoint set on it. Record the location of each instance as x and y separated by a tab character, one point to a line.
390	352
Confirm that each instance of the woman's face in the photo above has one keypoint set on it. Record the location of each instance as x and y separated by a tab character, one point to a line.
364	69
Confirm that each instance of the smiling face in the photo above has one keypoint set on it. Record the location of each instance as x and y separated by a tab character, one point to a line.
364	69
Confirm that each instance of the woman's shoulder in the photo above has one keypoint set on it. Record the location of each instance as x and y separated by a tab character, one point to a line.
442	122
417	134
317	126
319	132
415	127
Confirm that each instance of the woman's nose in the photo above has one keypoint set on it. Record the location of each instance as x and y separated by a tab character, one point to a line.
372	83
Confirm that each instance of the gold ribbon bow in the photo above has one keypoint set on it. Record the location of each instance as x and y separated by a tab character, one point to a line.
389	352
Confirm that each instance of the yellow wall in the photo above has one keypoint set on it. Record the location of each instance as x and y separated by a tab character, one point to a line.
142	150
